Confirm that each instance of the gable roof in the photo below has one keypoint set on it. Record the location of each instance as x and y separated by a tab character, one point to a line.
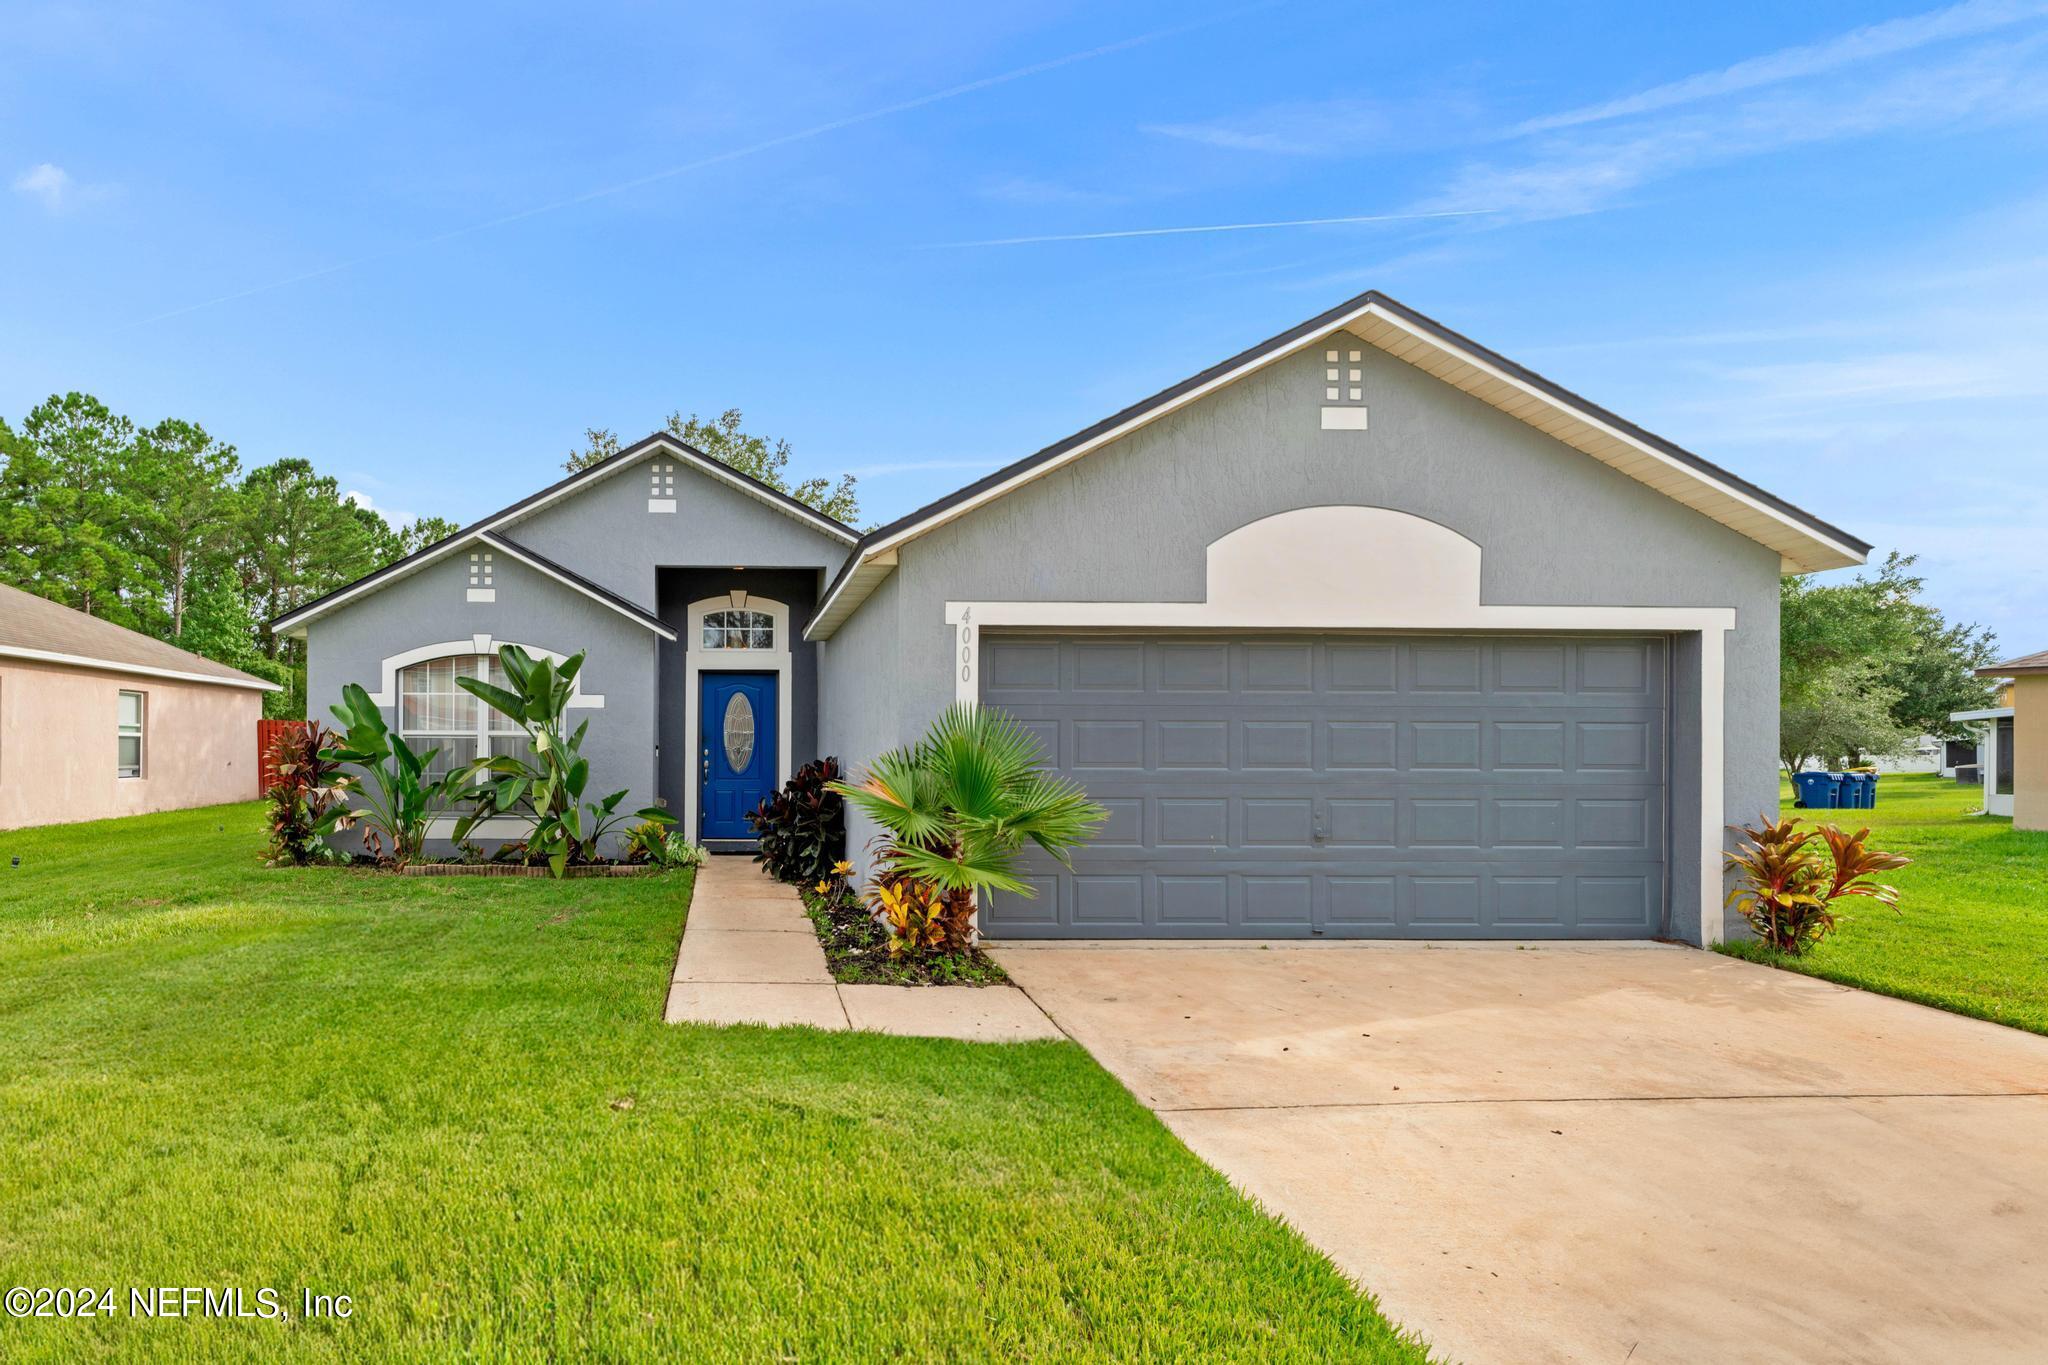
35	628
2013	668
658	443
295	621
1803	541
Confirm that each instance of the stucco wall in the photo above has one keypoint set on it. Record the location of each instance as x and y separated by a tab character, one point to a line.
431	607
2030	753
857	712
607	534
1132	521
59	755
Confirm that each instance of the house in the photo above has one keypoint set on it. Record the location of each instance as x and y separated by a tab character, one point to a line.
2012	756
97	720
1365	631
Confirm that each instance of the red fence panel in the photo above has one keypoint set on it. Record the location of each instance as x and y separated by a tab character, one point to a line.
267	732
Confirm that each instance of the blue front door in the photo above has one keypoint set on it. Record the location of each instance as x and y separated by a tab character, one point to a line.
737	747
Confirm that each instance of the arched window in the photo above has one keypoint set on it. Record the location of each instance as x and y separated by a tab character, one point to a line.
738	628
433	713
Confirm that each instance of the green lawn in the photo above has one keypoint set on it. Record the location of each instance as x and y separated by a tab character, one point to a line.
1973	933
452	1100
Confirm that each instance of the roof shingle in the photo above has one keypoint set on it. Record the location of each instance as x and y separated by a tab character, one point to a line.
36	625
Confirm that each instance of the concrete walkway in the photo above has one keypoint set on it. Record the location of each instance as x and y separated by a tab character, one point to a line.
751	956
1605	1153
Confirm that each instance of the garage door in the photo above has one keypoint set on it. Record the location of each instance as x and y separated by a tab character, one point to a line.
1347	786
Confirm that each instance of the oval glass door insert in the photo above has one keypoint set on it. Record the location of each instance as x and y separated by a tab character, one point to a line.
739	732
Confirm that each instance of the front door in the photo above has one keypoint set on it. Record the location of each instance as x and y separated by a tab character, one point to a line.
737	746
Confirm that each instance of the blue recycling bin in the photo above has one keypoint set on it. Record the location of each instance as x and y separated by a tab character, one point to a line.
1816	790
1848	791
1866	790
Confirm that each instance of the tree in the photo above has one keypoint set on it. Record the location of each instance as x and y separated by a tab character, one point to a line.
1935	674
1842	716
305	540
724	439
418	534
183	522
64	507
220	626
1865	661
599	445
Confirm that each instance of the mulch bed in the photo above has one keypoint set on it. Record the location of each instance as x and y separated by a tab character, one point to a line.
857	952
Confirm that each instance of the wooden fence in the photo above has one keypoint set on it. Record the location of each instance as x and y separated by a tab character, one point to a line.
267	732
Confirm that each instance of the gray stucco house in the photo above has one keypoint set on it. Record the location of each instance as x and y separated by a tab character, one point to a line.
1366	631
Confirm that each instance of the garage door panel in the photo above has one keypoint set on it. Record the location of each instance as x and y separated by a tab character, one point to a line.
1349	786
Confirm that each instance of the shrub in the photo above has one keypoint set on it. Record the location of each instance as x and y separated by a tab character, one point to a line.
651	841
802	828
307	786
1787	888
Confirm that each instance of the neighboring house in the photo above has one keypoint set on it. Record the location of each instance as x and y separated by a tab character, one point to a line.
1364	632
2012	753
97	720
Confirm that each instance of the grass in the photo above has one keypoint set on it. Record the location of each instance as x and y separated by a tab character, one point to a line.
1973	933
451	1099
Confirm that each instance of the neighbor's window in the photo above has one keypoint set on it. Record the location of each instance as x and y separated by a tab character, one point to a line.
739	629
433	713
130	730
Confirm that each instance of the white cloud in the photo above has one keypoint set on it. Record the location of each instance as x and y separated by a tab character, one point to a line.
1306	128
1584	172
47	182
1792	63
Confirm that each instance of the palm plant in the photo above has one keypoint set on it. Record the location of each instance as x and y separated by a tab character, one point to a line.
548	789
960	805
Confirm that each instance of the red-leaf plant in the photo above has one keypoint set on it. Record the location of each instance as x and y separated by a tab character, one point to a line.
1787	887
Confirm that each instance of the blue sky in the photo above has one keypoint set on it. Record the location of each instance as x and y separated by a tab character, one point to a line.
425	246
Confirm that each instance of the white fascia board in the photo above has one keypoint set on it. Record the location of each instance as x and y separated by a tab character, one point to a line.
47	656
294	623
1634	443
1993	713
1316	337
662	445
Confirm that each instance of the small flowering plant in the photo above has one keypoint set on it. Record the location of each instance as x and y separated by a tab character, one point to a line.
836	885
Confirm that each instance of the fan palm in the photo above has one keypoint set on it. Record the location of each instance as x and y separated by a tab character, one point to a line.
961	804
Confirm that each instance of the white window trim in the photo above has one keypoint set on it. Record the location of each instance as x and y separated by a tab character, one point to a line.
699	661
386	696
141	772
1338	568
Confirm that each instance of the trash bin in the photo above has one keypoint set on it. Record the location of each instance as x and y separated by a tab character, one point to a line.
1816	791
1850	795
1870	790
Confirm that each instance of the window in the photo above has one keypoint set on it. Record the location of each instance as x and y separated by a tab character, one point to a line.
129	727
433	713
739	629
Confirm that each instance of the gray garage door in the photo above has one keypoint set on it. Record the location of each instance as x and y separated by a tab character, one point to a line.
1347	786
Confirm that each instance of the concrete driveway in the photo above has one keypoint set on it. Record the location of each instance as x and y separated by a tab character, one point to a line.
1608	1153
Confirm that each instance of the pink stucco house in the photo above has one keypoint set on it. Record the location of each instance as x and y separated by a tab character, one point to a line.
97	720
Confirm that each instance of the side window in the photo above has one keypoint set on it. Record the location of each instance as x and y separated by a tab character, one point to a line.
129	728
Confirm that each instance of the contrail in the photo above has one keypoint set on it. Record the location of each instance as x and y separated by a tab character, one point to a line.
1220	227
716	159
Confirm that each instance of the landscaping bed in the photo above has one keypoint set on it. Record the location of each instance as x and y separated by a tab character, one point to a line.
857	951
